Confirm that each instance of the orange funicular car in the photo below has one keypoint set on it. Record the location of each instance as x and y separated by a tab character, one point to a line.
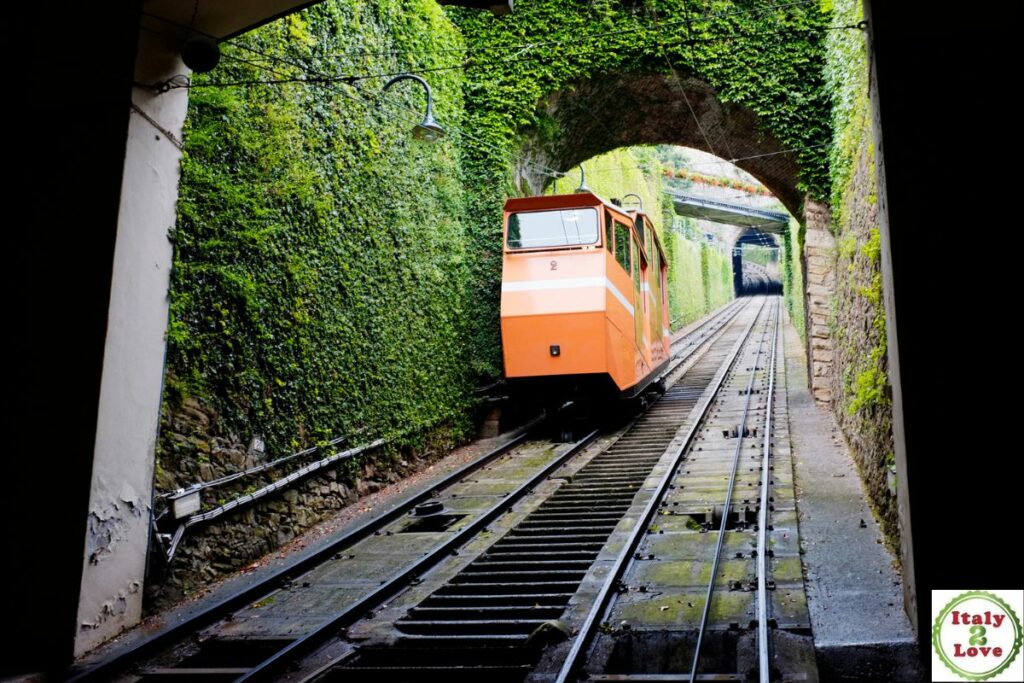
583	296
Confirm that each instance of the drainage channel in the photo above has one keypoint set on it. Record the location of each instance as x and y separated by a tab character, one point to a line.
494	617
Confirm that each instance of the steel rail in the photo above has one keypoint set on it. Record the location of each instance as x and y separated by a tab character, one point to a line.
726	312
762	520
244	596
589	627
725	515
727	315
271	666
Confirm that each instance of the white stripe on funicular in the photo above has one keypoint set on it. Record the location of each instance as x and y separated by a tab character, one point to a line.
567	283
618	295
561	283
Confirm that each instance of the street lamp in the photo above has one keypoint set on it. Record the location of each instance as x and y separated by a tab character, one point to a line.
428	129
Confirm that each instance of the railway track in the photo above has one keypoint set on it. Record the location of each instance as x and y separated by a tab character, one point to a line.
493	618
198	647
576	658
720	554
770	335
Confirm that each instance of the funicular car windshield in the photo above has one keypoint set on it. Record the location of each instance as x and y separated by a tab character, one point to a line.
550	229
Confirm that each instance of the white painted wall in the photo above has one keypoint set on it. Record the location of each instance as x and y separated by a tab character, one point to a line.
121	495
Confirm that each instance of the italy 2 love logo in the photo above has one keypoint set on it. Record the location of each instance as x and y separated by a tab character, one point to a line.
977	635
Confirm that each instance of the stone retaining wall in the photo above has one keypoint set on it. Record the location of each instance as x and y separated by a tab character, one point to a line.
862	397
819	270
198	451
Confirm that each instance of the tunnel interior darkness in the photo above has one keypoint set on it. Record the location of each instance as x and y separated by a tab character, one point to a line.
750	277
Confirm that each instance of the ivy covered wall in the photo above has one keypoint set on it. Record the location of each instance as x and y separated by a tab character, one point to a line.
320	253
764	62
793	276
862	397
320	275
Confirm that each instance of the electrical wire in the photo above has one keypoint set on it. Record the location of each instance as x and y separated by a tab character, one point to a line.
325	81
721	135
679	84
690	165
756	156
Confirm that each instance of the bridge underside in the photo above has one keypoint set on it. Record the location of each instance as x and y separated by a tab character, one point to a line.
729	213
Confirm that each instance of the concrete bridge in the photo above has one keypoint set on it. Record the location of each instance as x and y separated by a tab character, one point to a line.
730	213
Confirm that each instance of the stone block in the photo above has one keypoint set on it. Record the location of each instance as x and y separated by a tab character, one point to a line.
818	269
822	239
818	302
822	356
818	289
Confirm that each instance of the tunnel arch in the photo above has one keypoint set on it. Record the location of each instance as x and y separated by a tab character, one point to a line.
610	111
752	280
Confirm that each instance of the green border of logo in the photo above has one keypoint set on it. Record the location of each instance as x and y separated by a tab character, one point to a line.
937	628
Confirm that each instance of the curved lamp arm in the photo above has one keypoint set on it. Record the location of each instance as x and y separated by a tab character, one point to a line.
428	129
583	181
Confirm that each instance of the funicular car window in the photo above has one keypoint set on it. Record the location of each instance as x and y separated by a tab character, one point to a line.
563	228
622	245
608	227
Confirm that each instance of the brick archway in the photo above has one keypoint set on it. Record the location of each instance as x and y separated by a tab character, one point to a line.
622	110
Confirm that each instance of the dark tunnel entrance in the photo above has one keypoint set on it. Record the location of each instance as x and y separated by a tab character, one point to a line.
755	264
